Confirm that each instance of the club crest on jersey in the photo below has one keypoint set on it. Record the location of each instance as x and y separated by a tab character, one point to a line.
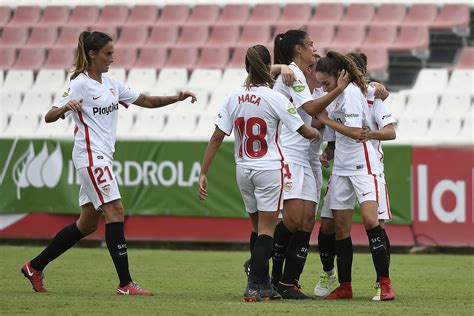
66	93
298	86
105	188
250	98
291	110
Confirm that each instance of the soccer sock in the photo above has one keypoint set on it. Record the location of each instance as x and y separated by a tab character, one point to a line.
281	239
63	240
261	253
296	257
115	239
379	250
344	252
327	251
387	245
253	239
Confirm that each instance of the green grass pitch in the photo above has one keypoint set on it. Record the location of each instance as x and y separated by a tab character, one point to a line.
82	282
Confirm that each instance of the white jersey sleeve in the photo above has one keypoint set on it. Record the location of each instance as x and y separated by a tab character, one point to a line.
75	91
224	119
126	95
286	111
299	92
382	115
353	113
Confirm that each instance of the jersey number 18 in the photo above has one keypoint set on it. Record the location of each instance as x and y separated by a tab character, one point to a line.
252	136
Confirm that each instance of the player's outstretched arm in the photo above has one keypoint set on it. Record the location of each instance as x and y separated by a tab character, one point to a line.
309	133
352	132
161	101
287	74
55	113
211	150
385	133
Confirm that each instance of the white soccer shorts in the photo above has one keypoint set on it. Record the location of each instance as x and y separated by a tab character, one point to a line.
261	190
98	186
299	183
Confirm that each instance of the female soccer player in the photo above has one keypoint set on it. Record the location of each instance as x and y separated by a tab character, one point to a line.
255	111
354	174
292	235
93	101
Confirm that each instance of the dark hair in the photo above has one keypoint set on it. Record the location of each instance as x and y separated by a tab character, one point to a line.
88	41
335	62
257	64
284	45
360	59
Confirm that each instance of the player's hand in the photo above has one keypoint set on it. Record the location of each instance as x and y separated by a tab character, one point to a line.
324	160
343	79
323	116
365	134
183	95
380	90
287	75
73	105
202	191
315	136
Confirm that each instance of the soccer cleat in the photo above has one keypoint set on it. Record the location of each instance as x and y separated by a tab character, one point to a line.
386	289
251	293
292	292
268	292
326	284
132	289
377	292
247	267
344	291
36	277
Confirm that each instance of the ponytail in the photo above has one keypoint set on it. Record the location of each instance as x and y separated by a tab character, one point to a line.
335	62
257	64
284	45
88	41
360	60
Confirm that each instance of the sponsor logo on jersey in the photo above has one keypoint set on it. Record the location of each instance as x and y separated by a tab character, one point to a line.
251	98
351	115
105	110
360	167
298	86
386	116
291	109
66	93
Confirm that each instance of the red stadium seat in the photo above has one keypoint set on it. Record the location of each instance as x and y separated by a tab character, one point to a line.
163	35
410	38
68	36
30	58
193	36
7	57
223	35
42	36
14	36
380	36
295	13
466	59
5	15
327	14
238	58
174	14
377	59
234	14
84	15
264	14
152	57
213	57
347	38
452	15
182	58
113	15
60	58
254	34
283	27
26	15
133	36
110	30
142	15
124	57
389	14
55	15
322	35
203	14
358	14
421	15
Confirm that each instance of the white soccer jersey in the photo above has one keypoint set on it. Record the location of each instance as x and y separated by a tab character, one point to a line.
295	147
379	117
256	114
315	149
350	157
96	123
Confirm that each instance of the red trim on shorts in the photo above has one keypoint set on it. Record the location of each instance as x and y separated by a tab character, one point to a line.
91	175
75	130
376	188
88	141
281	190
124	104
379	147
367	161
282	166
386	200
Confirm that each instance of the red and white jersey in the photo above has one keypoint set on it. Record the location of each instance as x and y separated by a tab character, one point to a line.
379	117
96	123
315	149
256	114
295	147
350	157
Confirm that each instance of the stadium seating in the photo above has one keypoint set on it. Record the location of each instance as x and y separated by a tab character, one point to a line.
466	134
438	133
421	105
421	15
192	36
125	124
254	34
5	15
27	15
431	80
213	57
84	15
60	129
322	35
234	14
204	128
348	38
60	58
141	79
466	59
455	105
389	15
203	15
179	126
380	36
18	80
36	102
7	57
163	35
124	57
142	15
327	14
174	15
223	35
68	36
295	13
14	36
152	57
49	80
264	14
452	15
22	124
112	15
171	79
148	124
55	16
461	81
133	36
11	101
182	58
411	130
411	39
358	14
42	36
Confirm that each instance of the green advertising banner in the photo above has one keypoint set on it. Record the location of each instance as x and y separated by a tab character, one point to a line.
155	178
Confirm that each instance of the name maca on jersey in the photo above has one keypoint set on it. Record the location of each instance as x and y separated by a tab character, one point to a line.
105	110
249	98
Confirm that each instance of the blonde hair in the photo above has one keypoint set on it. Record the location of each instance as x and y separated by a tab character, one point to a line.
257	64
